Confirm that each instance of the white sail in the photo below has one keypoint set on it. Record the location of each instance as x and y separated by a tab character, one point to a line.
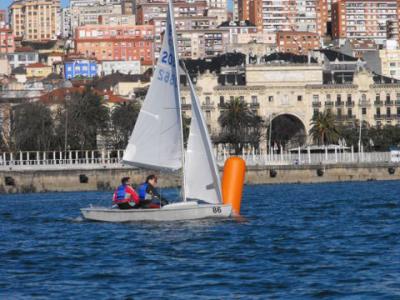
201	171
156	141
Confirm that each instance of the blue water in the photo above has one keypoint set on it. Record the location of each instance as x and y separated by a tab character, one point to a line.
297	241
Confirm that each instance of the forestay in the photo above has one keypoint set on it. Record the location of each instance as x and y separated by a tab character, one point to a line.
202	177
156	141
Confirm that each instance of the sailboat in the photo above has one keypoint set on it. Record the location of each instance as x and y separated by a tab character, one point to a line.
157	144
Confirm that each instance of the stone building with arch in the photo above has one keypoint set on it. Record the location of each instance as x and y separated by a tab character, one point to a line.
300	90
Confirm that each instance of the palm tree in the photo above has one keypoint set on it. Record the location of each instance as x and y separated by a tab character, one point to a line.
323	128
238	124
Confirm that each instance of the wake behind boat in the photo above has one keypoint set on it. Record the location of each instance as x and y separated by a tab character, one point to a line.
161	118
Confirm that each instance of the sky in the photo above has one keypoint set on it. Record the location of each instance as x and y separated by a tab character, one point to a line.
5	3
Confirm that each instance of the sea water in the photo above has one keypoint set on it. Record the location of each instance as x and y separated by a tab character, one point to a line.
338	240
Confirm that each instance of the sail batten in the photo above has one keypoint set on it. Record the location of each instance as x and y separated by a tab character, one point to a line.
203	181
156	141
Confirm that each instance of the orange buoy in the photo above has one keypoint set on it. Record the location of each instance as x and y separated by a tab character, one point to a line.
233	182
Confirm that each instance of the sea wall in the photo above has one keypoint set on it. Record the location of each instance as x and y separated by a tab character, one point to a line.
107	178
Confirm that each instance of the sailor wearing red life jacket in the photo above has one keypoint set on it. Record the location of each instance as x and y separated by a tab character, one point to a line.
125	196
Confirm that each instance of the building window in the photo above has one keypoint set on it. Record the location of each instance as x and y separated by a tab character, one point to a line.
349	112
348	97
339	98
254	99
316	112
221	100
364	110
183	99
208	114
299	98
231	98
387	97
270	98
208	100
398	111
364	97
328	97
377	97
378	111
388	112
315	98
339	112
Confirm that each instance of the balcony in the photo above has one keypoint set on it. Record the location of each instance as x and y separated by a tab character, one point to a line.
378	103
222	105
255	105
207	106
316	104
388	102
397	102
339	103
344	118
364	103
350	103
186	106
379	117
329	104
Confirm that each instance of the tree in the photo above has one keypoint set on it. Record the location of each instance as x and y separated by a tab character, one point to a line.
33	127
240	125
85	116
123	118
323	128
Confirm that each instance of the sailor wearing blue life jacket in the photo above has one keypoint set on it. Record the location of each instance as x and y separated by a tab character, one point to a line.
125	196
148	193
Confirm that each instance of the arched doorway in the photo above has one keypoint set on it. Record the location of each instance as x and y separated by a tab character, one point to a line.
288	131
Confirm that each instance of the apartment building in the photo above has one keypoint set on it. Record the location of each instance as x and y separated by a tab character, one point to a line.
7	44
116	42
289	15
3	18
117	20
202	43
238	28
297	42
35	20
364	19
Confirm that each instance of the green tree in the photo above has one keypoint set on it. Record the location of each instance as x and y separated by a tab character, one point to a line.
240	125
84	118
33	127
123	118
323	128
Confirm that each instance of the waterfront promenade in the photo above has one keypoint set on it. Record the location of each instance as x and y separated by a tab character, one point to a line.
102	170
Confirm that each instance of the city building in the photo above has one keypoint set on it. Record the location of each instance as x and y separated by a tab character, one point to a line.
384	61
289	15
7	44
274	89
123	67
238	28
117	42
363	19
35	20
23	57
3	18
38	70
297	42
5	68
86	68
358	48
117	20
243	8
202	43
91	14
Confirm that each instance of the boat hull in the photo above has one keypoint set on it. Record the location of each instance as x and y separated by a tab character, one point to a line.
171	212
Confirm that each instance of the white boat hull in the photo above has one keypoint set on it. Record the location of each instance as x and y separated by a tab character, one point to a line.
171	212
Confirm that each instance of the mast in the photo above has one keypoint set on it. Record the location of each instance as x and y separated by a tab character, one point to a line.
178	91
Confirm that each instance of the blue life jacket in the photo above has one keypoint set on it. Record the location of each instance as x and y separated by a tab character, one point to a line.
142	190
121	192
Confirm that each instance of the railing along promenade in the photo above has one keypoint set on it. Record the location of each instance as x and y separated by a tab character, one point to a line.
59	160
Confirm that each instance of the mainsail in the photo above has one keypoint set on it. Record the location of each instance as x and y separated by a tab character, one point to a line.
201	171
156	141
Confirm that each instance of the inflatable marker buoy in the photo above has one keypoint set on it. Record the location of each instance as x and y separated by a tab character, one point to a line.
233	182
272	173
391	170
